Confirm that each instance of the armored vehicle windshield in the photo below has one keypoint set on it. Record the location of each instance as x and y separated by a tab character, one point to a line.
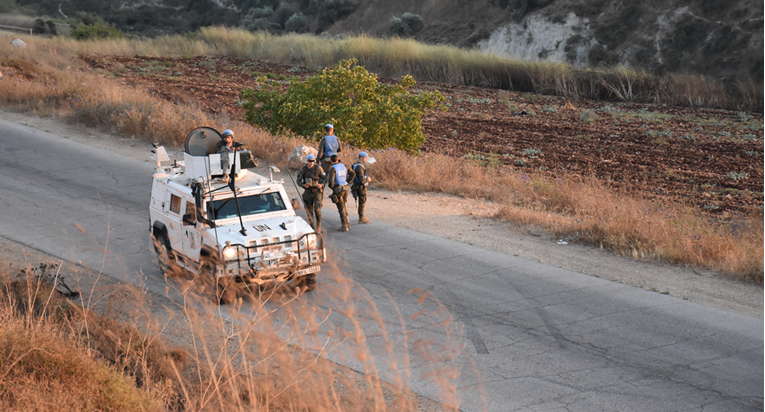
249	205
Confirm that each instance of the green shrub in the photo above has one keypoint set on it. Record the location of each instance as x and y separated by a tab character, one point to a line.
408	25
365	112
98	30
330	11
397	27
297	23
414	22
283	14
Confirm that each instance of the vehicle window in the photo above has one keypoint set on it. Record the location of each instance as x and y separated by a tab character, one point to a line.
175	204
249	205
191	210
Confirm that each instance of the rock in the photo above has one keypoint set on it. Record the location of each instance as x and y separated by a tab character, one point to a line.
18	43
296	160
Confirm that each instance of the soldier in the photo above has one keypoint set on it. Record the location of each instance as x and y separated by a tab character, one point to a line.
360	184
328	146
312	178
338	179
224	147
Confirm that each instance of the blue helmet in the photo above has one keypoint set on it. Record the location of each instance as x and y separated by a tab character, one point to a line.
310	157
363	154
228	132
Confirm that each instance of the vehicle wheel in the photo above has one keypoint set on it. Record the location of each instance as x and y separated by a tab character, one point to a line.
222	288
166	258
306	282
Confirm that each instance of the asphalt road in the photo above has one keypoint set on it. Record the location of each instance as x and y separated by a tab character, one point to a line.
525	336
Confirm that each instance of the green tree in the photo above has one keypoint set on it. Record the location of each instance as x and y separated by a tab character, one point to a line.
98	30
365	112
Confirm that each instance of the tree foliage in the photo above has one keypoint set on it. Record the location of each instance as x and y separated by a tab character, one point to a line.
98	30
408	25
365	112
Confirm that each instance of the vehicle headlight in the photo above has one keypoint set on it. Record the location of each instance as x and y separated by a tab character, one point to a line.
229	253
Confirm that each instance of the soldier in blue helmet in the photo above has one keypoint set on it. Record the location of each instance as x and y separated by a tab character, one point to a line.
312	178
337	180
360	184
328	145
224	147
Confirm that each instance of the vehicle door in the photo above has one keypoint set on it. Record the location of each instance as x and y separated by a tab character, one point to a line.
192	238
173	220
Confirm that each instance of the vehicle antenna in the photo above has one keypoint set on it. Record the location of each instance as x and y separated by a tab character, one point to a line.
232	186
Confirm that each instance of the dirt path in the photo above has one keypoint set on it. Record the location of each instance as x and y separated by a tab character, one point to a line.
468	221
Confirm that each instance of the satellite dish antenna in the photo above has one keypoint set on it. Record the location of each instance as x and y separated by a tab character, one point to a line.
201	141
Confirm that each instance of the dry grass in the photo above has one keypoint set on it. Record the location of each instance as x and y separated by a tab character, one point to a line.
268	355
581	209
446	64
586	210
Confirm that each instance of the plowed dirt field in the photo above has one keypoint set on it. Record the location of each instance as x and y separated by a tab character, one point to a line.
712	158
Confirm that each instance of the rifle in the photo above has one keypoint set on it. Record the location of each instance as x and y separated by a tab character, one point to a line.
355	192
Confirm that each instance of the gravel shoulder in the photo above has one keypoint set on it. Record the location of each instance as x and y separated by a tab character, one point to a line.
468	221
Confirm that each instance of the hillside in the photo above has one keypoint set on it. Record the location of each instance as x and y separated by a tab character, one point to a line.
720	39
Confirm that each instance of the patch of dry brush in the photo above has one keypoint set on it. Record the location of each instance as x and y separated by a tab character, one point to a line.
267	353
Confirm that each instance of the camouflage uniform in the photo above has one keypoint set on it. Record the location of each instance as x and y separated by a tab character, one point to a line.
313	177
360	183
339	194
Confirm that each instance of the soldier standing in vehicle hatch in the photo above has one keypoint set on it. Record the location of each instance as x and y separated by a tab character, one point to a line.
338	179
312	178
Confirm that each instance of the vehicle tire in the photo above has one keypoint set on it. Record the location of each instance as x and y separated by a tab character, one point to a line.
306	282
165	255
222	288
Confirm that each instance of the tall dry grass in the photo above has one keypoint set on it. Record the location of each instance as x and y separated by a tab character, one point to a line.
583	209
105	349
445	64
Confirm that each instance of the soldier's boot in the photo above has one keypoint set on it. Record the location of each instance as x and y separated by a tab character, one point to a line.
363	219
345	224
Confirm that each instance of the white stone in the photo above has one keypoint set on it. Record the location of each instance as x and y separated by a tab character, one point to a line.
296	160
18	43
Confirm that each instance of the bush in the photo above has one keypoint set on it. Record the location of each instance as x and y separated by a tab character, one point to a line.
397	27
408	25
283	14
98	30
330	11
414	22
368	113
297	23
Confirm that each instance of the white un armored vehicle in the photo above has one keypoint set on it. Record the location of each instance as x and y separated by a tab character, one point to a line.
249	235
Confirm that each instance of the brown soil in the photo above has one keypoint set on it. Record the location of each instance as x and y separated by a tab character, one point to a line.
711	158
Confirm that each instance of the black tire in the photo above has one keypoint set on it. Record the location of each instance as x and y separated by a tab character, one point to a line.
165	256
306	282
222	288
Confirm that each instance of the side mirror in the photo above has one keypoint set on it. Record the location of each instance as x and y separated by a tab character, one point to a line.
295	204
188	220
